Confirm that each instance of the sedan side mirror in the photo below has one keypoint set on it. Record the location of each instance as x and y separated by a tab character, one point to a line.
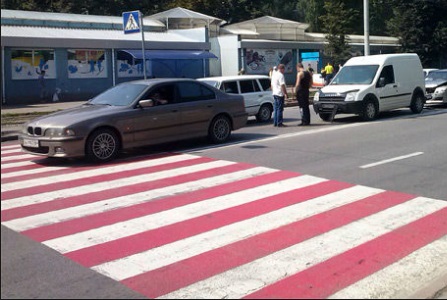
146	103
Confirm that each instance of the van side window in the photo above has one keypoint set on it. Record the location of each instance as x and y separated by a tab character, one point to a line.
388	74
265	83
229	87
246	86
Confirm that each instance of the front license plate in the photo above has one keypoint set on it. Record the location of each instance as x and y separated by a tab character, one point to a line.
328	105
31	143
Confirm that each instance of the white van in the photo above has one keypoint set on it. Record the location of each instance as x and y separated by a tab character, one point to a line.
368	85
255	89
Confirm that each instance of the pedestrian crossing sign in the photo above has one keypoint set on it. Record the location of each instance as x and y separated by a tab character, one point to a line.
131	22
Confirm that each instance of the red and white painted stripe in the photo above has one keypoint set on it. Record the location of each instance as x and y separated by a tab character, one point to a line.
184	226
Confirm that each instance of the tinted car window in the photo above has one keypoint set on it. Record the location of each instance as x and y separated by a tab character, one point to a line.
265	83
229	87
120	95
247	86
192	91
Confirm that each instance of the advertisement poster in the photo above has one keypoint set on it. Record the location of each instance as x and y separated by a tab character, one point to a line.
259	61
28	64
133	68
86	64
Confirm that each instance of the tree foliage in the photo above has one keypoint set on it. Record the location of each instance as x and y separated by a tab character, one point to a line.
336	23
422	28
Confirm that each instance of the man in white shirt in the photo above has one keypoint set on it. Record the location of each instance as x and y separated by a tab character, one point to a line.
279	91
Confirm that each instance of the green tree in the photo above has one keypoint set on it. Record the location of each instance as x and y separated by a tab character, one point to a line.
336	23
421	28
309	12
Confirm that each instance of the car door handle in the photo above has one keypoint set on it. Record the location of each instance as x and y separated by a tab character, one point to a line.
395	86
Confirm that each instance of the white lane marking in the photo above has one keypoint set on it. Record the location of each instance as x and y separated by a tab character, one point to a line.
174	252
107	185
96	172
419	268
108	204
248	278
390	160
134	226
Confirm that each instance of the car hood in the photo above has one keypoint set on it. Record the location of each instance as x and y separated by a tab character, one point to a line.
342	89
74	115
435	83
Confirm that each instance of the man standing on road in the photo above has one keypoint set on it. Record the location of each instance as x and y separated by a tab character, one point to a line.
279	94
302	85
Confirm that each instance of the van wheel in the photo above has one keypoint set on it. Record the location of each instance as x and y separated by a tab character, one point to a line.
219	130
102	145
264	113
417	104
370	110
325	117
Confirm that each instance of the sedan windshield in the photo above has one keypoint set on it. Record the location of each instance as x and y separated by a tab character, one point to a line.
120	95
355	75
437	76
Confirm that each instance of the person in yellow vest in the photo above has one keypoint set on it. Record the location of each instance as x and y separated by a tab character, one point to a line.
329	71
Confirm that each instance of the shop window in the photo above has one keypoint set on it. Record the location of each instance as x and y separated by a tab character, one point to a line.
28	63
86	63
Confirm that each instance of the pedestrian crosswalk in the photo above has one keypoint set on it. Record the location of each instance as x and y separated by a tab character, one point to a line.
184	226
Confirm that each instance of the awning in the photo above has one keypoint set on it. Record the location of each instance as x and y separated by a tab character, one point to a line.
170	54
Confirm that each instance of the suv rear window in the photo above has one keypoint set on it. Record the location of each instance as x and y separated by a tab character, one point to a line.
249	86
265	83
229	87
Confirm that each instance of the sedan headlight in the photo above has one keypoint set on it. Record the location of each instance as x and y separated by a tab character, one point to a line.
440	89
350	96
59	132
317	96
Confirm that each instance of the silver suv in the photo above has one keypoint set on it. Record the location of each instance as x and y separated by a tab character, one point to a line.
255	89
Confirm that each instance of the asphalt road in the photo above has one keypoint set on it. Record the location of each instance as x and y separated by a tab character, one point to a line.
399	152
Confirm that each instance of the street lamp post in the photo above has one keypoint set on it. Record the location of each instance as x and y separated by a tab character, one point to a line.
366	25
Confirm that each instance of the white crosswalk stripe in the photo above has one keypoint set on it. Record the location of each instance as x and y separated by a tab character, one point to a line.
183	226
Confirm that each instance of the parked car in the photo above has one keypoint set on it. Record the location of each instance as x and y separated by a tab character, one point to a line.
318	80
255	89
428	71
436	86
132	114
368	85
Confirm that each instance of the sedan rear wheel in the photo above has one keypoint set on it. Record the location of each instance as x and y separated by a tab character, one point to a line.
219	130
102	145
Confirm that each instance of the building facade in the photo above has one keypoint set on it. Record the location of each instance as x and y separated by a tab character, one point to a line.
82	55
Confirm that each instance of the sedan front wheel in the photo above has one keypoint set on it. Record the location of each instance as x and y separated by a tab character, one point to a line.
102	145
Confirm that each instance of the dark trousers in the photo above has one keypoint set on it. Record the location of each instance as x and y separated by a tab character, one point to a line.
305	118
302	95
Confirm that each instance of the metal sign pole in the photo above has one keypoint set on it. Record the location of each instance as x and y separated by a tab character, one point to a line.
142	43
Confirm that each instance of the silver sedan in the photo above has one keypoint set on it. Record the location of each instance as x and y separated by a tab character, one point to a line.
133	114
